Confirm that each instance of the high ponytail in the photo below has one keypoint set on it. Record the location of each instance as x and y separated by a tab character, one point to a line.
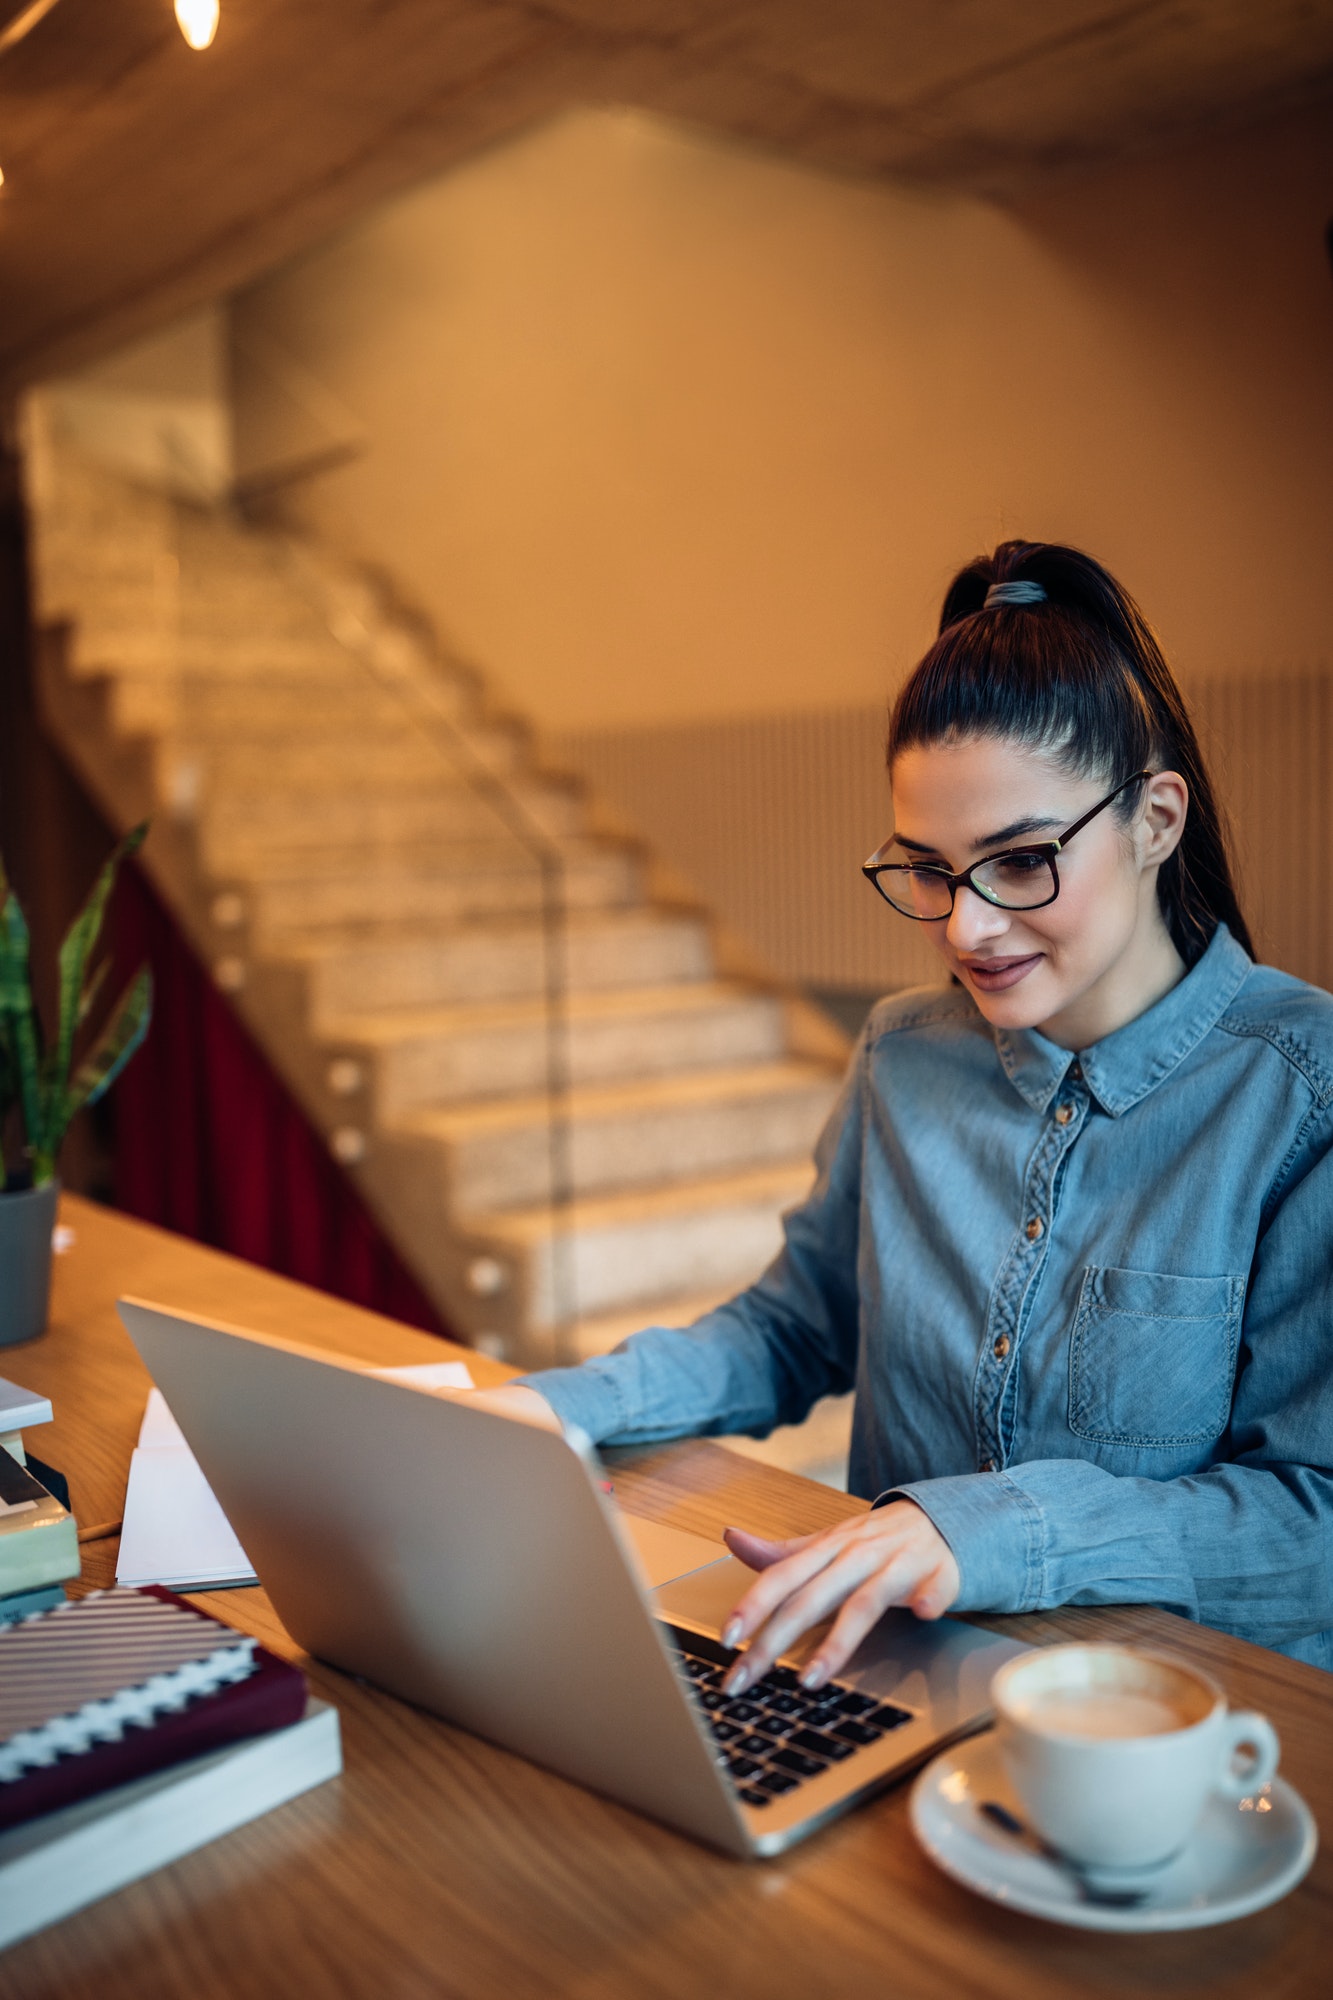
1075	671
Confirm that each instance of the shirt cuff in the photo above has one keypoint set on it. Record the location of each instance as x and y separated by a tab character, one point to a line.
996	1533
581	1396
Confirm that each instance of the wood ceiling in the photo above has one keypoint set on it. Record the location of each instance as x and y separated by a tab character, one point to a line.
142	179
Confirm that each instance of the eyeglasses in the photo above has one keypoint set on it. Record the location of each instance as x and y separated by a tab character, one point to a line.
1021	878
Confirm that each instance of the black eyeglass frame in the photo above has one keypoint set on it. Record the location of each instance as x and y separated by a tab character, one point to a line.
1045	850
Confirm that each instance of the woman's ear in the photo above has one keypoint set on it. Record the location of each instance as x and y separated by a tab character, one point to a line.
1165	809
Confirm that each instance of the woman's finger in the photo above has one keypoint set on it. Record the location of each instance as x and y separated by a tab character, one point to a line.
896	1582
756	1551
777	1581
808	1605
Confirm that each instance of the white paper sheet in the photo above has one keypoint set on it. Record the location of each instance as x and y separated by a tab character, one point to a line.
430	1375
174	1530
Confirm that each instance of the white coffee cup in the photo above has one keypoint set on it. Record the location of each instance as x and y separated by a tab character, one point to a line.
1114	1752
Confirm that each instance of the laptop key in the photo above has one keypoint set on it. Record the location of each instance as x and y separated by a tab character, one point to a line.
886	1716
817	1744
776	1782
723	1731
854	1732
851	1703
779	1725
756	1746
744	1767
797	1762
784	1703
754	1797
744	1711
712	1699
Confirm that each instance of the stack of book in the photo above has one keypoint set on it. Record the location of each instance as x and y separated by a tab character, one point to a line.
39	1544
133	1729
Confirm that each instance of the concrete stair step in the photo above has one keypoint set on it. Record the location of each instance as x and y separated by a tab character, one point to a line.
143	599
356	863
496	881
395	1063
235	825
251	655
643	1245
635	1132
494	962
391	753
196	707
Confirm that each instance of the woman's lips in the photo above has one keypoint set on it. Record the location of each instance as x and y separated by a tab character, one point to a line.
994	975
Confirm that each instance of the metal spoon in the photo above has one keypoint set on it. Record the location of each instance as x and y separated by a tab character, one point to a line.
1088	1886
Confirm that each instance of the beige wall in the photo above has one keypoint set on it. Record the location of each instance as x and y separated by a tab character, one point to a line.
662	430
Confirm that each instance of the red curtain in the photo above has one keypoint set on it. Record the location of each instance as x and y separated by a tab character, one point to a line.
209	1143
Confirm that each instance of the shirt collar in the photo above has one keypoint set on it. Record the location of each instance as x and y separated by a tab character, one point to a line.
1123	1067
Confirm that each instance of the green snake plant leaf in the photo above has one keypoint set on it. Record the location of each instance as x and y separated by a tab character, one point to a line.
76	997
92	987
116	1044
19	1017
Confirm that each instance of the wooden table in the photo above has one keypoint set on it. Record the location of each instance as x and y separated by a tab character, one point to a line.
440	1865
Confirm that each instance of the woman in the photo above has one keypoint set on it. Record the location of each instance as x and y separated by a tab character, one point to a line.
1072	1234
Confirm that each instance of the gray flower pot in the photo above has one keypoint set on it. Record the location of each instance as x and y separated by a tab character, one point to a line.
26	1224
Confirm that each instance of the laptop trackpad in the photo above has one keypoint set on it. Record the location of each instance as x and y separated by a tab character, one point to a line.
666	1553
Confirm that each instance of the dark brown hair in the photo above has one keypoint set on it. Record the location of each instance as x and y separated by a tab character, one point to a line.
1081	676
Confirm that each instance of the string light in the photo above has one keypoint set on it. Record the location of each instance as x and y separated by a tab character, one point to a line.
198	21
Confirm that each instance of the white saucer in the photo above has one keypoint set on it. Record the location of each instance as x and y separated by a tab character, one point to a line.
1242	1857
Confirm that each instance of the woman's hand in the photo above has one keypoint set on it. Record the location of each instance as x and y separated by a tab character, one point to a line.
895	1555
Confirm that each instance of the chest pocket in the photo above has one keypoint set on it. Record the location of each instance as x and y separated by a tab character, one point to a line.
1153	1357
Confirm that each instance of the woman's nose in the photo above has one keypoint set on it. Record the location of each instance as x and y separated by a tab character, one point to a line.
974	921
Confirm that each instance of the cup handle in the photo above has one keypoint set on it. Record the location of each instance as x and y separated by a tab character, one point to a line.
1255	1734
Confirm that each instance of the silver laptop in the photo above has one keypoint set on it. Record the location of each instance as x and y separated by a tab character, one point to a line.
476	1566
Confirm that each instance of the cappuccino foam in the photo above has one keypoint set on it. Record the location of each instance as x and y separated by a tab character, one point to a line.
1106	1712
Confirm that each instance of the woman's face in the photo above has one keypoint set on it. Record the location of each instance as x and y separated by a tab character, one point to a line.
1100	953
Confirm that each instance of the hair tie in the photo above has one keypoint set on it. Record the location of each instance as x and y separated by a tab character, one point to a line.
1014	593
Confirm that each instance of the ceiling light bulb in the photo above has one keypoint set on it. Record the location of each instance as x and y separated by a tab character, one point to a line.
198	21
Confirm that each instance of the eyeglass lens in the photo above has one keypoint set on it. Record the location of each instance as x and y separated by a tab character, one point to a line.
1011	882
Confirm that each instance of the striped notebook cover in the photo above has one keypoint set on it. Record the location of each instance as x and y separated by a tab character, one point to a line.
122	1682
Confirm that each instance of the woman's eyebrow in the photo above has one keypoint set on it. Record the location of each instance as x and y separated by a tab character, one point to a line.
1033	824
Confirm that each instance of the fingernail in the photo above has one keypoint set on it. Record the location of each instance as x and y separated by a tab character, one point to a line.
737	1681
815	1675
732	1635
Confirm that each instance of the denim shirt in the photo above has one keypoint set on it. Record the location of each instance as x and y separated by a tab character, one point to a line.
1086	1304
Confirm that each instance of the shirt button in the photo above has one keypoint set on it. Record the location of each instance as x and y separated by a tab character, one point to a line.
1063	1113
1034	1229
988	1465
1076	1073
1001	1347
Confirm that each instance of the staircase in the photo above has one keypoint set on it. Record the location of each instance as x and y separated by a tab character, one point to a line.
360	846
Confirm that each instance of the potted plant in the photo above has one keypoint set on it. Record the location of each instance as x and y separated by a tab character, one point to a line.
41	1087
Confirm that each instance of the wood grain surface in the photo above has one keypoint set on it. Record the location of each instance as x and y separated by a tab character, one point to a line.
438	1864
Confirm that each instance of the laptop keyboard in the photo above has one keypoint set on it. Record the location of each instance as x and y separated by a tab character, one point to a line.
778	1734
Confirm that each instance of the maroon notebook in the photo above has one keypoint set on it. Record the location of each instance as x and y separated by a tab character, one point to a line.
271	1696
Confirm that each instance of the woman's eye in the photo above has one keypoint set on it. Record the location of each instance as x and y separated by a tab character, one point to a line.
1016	867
